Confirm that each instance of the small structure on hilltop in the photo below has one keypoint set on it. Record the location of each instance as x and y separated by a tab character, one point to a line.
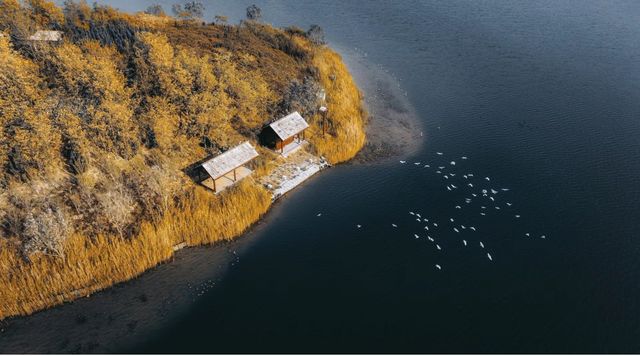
286	134
46	36
228	168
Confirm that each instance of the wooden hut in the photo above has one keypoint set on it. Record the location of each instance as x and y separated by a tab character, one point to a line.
227	168
46	36
283	134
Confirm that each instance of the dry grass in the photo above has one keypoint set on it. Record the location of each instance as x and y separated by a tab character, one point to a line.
90	265
346	116
129	202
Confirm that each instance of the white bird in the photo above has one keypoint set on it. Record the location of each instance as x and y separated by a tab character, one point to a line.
445	177
509	204
464	242
448	188
474	195
412	213
481	244
453	163
452	174
492	199
403	162
472	228
417	163
497	208
483	214
458	207
439	153
487	178
493	191
451	219
470	174
435	224
471	185
527	234
430	238
358	226
438	267
426	228
463	157
418	215
418	219
505	189
427	166
483	207
489	257
438	172
394	225
543	237
441	167
453	186
456	229
464	176
462	226
416	235
484	191
438	247
517	216
319	214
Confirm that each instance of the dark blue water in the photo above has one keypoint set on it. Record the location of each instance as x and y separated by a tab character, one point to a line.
543	97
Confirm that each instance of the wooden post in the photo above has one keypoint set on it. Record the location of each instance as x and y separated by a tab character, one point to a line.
281	146
234	175
324	121
214	184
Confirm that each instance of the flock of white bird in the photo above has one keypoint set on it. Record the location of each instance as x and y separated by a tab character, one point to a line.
479	194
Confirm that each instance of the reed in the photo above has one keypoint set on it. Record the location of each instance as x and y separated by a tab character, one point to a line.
346	116
117	180
93	264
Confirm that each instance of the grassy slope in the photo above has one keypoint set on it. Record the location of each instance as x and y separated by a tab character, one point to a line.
195	216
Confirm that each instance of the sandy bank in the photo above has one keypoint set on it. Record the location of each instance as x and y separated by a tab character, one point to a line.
394	128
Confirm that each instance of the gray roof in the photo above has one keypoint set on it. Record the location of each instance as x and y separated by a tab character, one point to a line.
42	35
230	160
289	125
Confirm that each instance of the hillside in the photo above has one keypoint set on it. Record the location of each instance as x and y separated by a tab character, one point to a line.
97	131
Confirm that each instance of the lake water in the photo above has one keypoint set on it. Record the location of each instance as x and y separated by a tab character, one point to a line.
542	97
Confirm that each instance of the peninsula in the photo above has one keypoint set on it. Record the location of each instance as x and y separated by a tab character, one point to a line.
107	117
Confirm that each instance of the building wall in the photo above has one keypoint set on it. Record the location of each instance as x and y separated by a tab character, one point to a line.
281	144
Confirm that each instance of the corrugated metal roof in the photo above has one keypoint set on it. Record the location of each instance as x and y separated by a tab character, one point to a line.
289	125
41	35
228	161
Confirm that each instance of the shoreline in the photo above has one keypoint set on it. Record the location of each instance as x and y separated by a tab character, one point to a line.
122	314
394	129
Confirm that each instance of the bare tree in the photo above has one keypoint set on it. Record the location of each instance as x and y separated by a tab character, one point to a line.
156	10
316	35
254	13
46	232
191	10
